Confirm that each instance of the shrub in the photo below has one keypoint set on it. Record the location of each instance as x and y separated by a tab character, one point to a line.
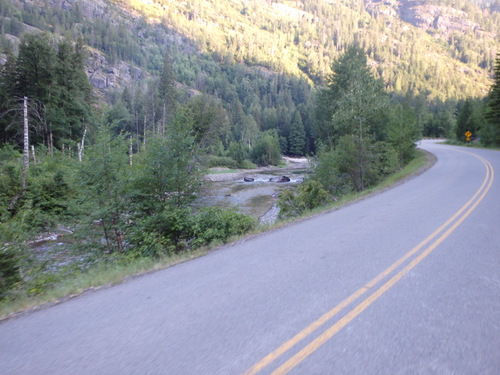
222	161
267	150
247	164
10	178
218	224
388	161
308	196
327	174
163	233
9	271
237	152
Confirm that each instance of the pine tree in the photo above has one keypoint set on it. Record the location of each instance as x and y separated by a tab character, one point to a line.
348	70
491	135
167	92
35	63
464	122
358	103
70	109
297	137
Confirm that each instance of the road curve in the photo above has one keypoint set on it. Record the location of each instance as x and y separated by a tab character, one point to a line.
406	282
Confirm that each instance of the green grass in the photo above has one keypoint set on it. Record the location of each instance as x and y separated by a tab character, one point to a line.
470	145
118	272
94	279
418	165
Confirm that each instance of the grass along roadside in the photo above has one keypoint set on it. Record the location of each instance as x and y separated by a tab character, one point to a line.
423	161
110	274
94	279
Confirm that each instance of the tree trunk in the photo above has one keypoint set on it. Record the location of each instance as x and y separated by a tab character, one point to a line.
51	143
130	151
164	118
26	152
118	236
144	140
81	146
26	158
137	131
33	153
106	235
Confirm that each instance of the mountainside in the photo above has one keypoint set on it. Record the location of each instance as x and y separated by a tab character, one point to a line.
441	48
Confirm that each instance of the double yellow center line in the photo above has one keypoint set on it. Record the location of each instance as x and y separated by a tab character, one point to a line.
432	241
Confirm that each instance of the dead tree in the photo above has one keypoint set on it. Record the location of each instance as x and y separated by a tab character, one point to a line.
35	110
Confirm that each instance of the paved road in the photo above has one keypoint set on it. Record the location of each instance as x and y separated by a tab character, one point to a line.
405	282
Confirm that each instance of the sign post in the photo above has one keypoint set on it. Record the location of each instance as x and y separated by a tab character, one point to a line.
468	134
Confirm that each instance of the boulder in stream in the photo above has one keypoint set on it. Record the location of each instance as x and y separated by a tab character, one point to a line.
280	179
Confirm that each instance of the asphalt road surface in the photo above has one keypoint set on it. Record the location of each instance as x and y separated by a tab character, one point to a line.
404	282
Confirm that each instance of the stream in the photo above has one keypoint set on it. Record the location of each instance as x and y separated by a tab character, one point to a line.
257	198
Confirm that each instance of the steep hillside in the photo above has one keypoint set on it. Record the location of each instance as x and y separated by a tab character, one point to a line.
440	48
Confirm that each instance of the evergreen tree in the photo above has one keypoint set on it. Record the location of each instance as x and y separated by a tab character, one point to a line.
103	174
208	120
57	86
35	68
167	92
464	122
359	118
267	149
403	132
351	76
120	117
168	176
269	119
491	135
8	132
297	138
70	110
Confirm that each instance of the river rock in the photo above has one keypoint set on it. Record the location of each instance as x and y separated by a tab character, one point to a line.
248	179
280	179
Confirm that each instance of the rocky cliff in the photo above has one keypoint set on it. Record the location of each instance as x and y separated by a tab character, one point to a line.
440	20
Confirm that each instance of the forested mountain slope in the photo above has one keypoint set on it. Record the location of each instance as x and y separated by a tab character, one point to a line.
441	48
258	61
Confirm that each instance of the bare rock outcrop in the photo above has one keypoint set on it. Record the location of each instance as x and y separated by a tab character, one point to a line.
442	19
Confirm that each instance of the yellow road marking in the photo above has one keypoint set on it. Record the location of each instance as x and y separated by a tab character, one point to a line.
330	332
334	329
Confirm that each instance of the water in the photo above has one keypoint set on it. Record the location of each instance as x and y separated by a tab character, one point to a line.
257	198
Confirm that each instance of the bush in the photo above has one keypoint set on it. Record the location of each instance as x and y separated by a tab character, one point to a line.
247	164
222	161
9	271
10	178
163	233
308	196
327	174
51	196
237	152
388	161
218	224
267	150
288	204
